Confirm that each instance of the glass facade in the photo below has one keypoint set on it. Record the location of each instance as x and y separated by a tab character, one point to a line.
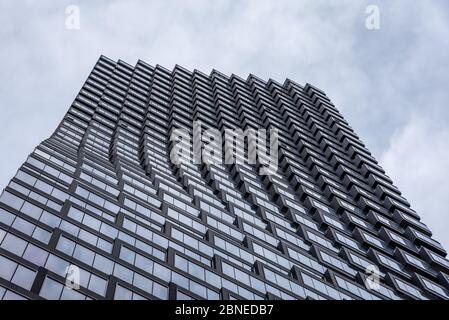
102	201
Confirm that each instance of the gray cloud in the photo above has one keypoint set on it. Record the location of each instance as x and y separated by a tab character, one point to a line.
378	79
418	155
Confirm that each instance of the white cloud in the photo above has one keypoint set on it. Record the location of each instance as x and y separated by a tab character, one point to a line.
418	162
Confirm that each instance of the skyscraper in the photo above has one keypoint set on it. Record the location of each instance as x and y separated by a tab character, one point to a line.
100	210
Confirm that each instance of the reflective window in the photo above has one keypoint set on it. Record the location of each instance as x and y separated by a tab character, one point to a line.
14	244
16	273
11	200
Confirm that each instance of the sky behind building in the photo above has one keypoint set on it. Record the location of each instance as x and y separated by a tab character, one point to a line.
391	84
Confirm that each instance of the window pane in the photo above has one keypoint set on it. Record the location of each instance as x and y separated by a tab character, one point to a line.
24	277
160	291
161	272
180	280
57	265
11	200
91	222
42	186
198	289
213	279
97	285
127	255
6	217
14	244
32	210
181	263
7	268
50	219
70	294
143	283
51	290
9	295
123	273
87	236
41	235
66	246
23	226
122	293
84	254
144	263
35	255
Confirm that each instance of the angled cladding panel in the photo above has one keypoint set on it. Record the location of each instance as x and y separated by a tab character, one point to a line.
100	202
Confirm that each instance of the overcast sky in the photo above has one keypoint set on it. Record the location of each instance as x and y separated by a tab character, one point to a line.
391	84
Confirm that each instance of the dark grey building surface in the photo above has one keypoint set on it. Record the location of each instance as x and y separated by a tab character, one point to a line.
103	195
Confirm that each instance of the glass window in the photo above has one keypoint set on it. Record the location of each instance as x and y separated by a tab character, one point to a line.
143	283
434	287
2	235
103	264
84	254
198	289
19	188
196	271
25	177
228	270
409	289
97	285
69	228
229	285
122	293
84	277
23	226
11	200
50	219
108	230
212	295
14	244
127	255
161	272
51	290
111	207
91	222
42	186
181	263
6	217
213	279
66	246
87	236
35	255
241	276
104	245
76	214
41	235
181	296
54	205
257	284
57	265
180	280
70	294
144	263
60	195
9	295
123	273
160	291
24	277
96	199
7	268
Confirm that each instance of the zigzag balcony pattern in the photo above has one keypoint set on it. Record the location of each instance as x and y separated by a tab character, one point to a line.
102	195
